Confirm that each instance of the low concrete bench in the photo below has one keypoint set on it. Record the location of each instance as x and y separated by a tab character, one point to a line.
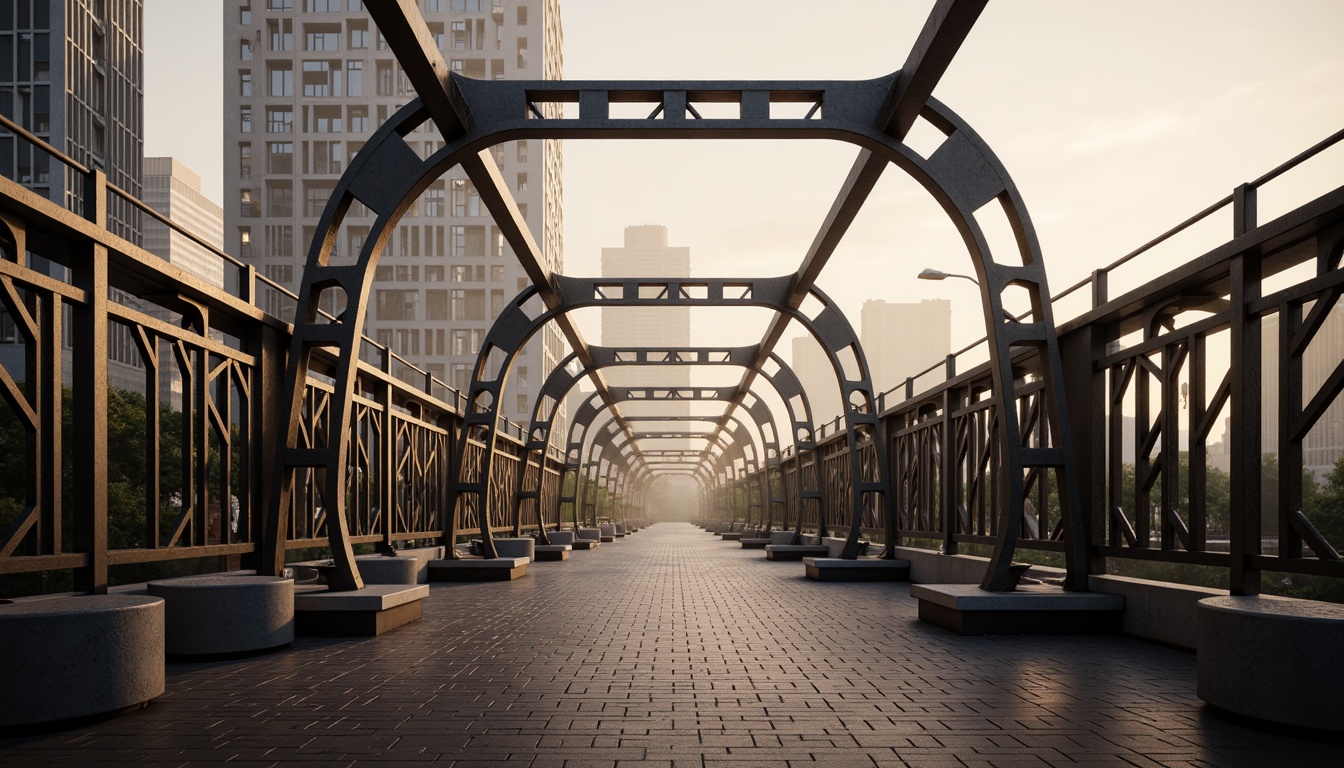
861	569
524	546
561	537
621	531
478	569
225	614
75	657
608	532
588	538
1273	659
386	569
1036	609
552	552
754	542
810	546
367	612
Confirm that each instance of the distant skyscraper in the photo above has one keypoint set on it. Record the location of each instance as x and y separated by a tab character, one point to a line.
174	190
306	83
900	340
647	254
71	72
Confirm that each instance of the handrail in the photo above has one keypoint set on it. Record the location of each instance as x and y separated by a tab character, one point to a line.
5	122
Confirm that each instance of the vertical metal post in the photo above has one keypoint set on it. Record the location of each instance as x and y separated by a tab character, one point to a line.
387	456
90	401
1244	578
270	416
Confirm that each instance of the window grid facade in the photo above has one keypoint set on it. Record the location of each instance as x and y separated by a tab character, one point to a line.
322	81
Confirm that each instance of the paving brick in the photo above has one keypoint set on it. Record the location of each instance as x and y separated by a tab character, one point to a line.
674	650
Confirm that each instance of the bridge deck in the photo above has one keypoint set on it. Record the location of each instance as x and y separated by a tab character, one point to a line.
672	648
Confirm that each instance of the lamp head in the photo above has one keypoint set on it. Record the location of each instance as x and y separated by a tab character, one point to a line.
930	273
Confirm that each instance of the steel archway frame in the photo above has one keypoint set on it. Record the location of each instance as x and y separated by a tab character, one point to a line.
785	383
588	411
962	174
515	326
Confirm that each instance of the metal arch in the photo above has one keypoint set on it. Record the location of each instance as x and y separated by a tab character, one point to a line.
515	326
562	380
963	175
588	411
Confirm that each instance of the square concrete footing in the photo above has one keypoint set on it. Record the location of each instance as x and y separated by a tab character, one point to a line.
794	552
552	552
754	543
466	569
367	612
732	535
1035	609
862	569
586	544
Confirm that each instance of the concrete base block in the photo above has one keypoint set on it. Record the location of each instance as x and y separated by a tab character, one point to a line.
496	569
1273	659
1030	610
561	537
732	535
863	569
754	543
552	552
794	552
380	569
367	612
585	544
223	615
75	657
782	537
594	534
519	547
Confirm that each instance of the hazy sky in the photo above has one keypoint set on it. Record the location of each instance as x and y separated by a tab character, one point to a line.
1117	120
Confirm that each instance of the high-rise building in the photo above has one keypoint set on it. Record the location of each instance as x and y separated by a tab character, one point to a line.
306	83
645	253
71	71
901	339
174	190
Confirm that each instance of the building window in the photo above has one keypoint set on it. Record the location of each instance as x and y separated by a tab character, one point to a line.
323	39
522	15
280	5
245	50
245	239
280	245
315	199
522	182
433	205
397	305
322	6
279	120
325	119
282	34
244	161
436	304
319	79
466	201
469	6
522	151
324	157
279	199
246	115
522	53
354	78
359	119
280	157
282	80
359	38
245	83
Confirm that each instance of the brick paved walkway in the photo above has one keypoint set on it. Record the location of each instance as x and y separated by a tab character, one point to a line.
672	648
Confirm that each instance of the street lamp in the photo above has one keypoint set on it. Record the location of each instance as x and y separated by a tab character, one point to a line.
930	273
